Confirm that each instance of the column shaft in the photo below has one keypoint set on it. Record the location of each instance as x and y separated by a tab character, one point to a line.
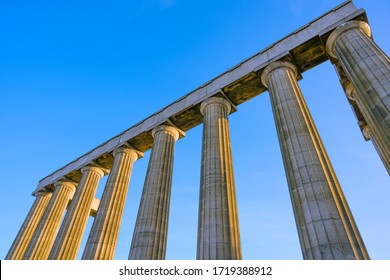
103	237
69	237
26	232
218	228
326	227
43	238
368	69
151	229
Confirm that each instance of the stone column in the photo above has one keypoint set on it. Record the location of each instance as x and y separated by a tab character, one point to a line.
380	147
218	228
104	233
26	232
150	232
43	238
368	69
69	237
326	227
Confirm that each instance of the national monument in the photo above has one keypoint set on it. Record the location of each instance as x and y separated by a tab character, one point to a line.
55	225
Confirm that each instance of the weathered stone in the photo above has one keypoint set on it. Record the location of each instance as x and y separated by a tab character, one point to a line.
240	84
26	232
69	237
326	227
218	232
43	238
101	243
368	69
151	228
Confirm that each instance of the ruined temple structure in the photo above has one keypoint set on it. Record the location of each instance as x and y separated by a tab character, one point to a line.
55	225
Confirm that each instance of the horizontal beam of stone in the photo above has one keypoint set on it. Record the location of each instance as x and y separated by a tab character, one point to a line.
184	113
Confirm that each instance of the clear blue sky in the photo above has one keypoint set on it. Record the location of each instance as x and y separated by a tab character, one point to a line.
75	73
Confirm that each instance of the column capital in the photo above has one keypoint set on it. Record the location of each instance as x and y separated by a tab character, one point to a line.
276	65
166	128
95	169
127	150
215	100
354	24
68	184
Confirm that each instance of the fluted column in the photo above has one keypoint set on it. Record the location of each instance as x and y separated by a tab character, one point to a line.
26	232
380	147
43	238
69	237
326	227
368	69
104	233
218	228
151	228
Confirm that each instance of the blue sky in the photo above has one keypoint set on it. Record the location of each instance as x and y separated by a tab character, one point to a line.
75	73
